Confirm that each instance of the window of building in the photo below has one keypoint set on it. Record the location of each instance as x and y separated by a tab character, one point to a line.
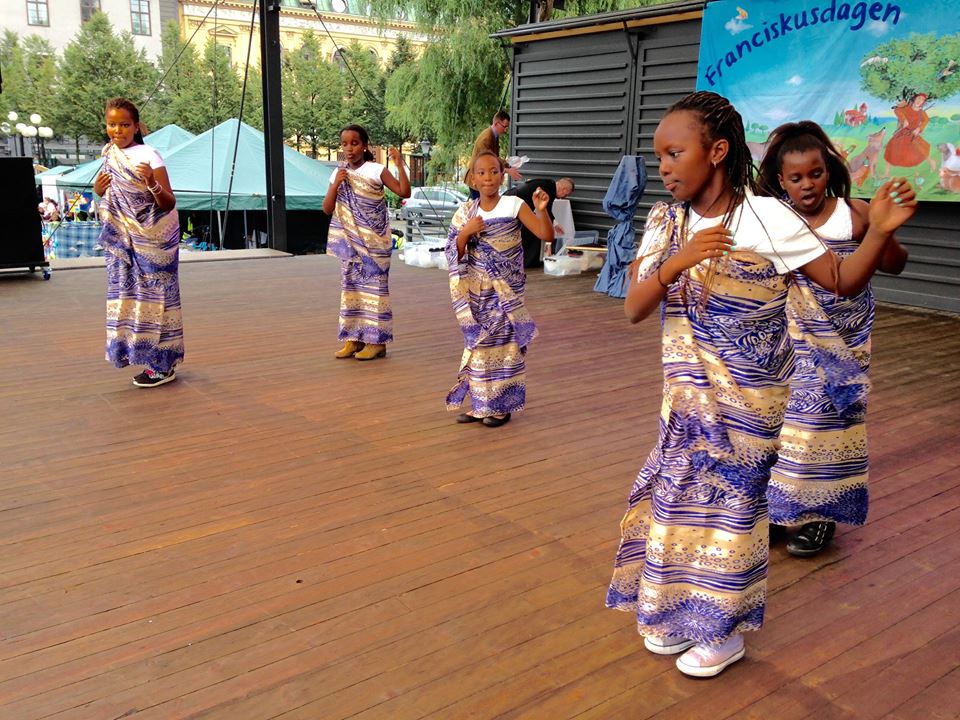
88	8
226	52
140	17
37	12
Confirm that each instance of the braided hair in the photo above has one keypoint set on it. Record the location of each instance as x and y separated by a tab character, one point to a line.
800	137
119	103
719	120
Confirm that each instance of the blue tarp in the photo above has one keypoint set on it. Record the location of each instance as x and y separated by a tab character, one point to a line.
620	203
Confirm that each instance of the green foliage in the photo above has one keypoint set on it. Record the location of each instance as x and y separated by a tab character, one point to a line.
451	92
96	66
363	96
313	91
186	88
898	69
224	84
30	73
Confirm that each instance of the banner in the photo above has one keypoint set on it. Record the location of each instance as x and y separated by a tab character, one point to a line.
882	78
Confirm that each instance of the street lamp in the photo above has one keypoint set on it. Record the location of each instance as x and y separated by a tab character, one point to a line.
13	117
36	132
425	151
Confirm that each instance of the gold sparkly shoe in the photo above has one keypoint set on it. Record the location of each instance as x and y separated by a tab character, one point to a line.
372	352
349	349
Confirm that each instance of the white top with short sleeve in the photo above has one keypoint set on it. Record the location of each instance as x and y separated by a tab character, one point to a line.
507	207
370	170
763	225
143	154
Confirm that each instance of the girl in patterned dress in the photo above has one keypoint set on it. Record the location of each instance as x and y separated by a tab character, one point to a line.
692	561
141	241
820	477
485	255
360	236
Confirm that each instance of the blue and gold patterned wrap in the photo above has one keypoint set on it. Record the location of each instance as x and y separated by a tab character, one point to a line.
486	289
822	470
694	544
360	236
141	244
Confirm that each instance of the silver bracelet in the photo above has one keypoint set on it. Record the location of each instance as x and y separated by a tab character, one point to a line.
155	189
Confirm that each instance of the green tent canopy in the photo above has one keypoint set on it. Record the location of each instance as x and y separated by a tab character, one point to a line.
167	138
164	140
200	172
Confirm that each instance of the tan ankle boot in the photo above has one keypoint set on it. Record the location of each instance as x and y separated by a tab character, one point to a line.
372	352
349	349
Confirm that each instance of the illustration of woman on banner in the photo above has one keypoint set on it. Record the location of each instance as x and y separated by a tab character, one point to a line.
907	148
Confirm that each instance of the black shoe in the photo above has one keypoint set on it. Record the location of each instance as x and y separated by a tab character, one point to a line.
778	533
812	539
495	421
463	418
151	378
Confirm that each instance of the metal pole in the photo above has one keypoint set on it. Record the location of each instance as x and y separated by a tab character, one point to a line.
273	123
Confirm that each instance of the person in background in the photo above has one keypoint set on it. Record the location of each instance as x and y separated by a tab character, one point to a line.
489	141
525	190
820	477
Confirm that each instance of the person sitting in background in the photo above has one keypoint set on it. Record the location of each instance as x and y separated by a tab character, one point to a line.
525	190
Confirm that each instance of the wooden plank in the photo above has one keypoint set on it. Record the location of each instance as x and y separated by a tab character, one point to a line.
281	534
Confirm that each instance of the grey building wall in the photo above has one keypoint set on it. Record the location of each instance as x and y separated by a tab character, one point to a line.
583	99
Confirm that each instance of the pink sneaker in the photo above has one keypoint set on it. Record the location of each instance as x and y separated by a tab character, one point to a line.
704	660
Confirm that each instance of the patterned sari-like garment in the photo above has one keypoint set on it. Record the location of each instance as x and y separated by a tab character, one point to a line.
360	236
821	474
486	289
694	544
141	243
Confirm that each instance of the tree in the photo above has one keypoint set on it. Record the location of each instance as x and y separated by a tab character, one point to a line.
185	87
898	69
30	75
452	91
313	92
401	57
96	66
223	98
363	102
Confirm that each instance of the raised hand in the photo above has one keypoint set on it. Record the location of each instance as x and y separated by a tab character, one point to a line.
395	155
894	203
540	199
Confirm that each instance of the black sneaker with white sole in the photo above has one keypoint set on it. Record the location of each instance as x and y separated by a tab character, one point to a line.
151	378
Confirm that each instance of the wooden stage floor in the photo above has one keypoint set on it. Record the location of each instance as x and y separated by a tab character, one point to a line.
284	535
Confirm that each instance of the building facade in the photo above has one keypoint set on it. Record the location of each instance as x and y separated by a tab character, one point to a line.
57	20
346	21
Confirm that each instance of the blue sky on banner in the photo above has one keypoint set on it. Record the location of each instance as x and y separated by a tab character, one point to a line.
804	57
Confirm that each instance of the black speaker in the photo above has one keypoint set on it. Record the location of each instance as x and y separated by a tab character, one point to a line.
21	245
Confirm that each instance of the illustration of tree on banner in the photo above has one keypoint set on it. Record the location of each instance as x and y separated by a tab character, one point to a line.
913	74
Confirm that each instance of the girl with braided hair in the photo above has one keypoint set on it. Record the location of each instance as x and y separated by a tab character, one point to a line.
820	477
692	562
